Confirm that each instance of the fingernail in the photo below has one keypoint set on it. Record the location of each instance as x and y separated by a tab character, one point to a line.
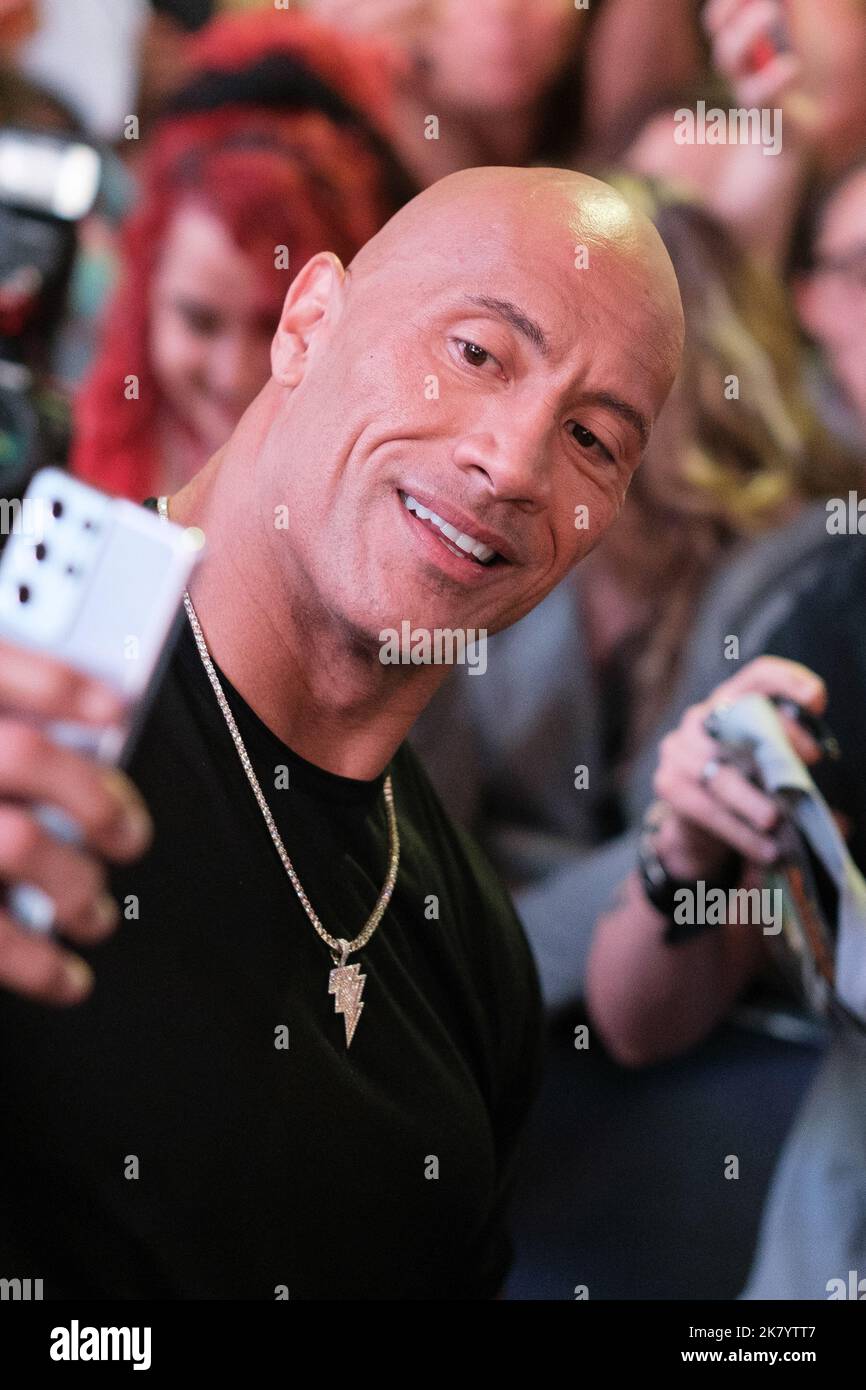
78	977
137	825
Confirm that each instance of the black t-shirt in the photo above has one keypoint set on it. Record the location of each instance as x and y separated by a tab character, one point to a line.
161	1141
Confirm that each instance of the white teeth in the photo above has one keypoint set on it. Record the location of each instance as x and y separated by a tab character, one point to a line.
467	544
417	508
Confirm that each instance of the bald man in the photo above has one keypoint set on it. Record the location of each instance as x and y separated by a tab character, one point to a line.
306	1063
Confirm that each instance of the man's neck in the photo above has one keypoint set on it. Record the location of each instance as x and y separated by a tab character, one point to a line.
328	699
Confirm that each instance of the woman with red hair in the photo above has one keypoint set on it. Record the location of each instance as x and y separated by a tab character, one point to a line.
257	164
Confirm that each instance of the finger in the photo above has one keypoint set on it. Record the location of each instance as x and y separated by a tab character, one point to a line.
803	743
691	759
733	42
693	728
775	675
41	969
717	13
75	882
103	802
772	81
693	803
41	686
744	800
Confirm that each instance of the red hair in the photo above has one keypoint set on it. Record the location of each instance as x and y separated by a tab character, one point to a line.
272	178
361	70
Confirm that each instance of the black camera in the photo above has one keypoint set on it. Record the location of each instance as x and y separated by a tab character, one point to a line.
48	182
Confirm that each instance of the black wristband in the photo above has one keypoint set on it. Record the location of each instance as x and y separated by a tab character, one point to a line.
661	889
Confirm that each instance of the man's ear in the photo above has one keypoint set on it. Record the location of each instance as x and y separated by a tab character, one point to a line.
315	290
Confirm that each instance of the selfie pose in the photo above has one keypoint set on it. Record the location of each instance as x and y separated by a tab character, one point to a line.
307	1058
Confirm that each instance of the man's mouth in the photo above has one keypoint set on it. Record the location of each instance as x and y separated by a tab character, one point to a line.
460	543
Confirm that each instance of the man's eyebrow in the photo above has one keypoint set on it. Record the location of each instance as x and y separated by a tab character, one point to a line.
517	318
537	336
625	411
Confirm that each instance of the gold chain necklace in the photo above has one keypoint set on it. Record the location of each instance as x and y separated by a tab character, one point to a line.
345	982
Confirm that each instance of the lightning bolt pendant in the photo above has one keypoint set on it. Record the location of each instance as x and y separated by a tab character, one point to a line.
346	983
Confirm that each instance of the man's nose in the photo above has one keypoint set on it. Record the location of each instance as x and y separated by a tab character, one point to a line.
514	459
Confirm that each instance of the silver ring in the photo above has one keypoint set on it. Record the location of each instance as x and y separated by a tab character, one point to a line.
710	771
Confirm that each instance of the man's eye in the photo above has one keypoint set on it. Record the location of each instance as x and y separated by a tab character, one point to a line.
588	440
473	354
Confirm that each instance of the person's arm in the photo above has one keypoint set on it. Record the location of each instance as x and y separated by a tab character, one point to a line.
650	1000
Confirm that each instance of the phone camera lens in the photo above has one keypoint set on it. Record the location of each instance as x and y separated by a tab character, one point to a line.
56	507
41	551
23	593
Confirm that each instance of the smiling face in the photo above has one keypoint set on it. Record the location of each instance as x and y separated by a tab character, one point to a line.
466	368
211	324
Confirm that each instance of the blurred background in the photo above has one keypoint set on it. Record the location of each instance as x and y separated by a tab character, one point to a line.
166	166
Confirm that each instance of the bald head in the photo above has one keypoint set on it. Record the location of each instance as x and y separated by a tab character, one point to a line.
494	359
530	213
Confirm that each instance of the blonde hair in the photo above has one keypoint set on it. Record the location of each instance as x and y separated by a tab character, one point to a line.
745	446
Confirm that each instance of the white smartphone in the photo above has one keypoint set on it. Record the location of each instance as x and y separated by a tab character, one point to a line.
96	582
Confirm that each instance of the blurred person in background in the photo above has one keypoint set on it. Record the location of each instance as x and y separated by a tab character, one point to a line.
828	270
666	51
651	1000
48	183
22	101
501	80
793	57
88	53
18	21
716	537
38	255
163	47
516	83
257	164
